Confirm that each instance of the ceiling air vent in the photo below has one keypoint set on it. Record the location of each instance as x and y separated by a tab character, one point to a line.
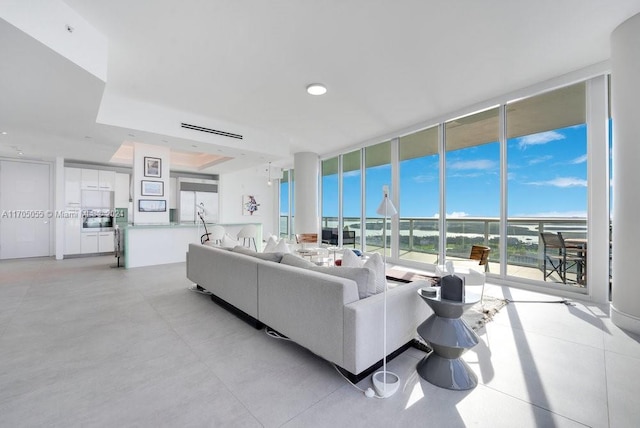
211	131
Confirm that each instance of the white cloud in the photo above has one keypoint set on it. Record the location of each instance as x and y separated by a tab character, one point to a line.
539	138
579	160
540	159
354	173
561	182
424	178
473	164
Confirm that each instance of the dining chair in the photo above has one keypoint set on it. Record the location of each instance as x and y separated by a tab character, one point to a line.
248	233
560	258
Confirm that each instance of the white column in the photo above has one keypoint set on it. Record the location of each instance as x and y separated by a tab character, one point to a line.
625	67
306	195
598	179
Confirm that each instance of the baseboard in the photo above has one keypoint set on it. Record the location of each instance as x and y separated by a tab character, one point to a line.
238	312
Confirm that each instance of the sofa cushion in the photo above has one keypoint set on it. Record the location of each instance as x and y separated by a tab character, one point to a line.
293	260
362	276
375	263
272	257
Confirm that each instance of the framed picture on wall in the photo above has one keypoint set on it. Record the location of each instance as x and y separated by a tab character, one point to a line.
152	188
152	167
152	205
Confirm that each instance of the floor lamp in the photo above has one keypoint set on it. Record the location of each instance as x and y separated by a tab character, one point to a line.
385	383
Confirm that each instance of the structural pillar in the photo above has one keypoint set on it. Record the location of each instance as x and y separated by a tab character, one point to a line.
625	96
306	193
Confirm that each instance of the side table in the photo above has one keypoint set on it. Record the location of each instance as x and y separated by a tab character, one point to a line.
449	336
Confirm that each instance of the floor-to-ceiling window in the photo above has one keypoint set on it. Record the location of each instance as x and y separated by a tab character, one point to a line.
352	195
515	185
547	182
419	196
377	175
330	197
286	203
472	185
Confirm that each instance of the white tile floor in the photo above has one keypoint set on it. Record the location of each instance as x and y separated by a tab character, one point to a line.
85	344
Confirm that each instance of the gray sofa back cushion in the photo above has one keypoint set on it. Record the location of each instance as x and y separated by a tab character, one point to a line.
271	257
293	260
364	277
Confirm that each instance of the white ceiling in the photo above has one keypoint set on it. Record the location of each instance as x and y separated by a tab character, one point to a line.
387	65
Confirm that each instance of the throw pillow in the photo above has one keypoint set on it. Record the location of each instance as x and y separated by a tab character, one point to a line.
362	276
293	260
349	259
375	263
282	247
271	257
378	279
270	247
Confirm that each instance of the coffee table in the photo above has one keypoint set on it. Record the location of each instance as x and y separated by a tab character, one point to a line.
449	336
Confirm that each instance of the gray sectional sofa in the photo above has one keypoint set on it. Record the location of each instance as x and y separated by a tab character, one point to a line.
313	307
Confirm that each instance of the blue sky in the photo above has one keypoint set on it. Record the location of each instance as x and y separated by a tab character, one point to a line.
547	177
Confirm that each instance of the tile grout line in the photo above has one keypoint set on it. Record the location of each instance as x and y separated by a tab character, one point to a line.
200	359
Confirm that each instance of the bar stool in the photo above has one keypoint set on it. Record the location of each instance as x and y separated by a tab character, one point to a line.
216	235
248	232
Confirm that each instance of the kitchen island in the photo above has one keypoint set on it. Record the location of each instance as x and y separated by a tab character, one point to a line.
156	244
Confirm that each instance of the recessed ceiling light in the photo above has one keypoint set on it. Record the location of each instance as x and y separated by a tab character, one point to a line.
20	153
3	132
316	89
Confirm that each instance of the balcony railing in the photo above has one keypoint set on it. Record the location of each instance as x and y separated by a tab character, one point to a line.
421	235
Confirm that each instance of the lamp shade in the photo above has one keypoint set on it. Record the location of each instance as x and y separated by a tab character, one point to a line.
386	207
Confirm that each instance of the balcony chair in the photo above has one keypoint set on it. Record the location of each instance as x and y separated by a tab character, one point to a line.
306	238
480	253
561	258
330	237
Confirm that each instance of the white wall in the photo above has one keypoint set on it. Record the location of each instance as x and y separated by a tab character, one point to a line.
140	151
249	181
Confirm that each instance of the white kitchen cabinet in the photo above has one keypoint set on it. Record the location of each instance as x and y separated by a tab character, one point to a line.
105	242
121	199
90	179
72	230
106	180
72	179
88	242
96	242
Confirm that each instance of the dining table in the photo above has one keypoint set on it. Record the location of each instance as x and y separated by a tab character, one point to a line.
578	246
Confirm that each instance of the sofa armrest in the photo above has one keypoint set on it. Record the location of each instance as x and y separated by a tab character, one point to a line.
305	306
363	341
233	277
